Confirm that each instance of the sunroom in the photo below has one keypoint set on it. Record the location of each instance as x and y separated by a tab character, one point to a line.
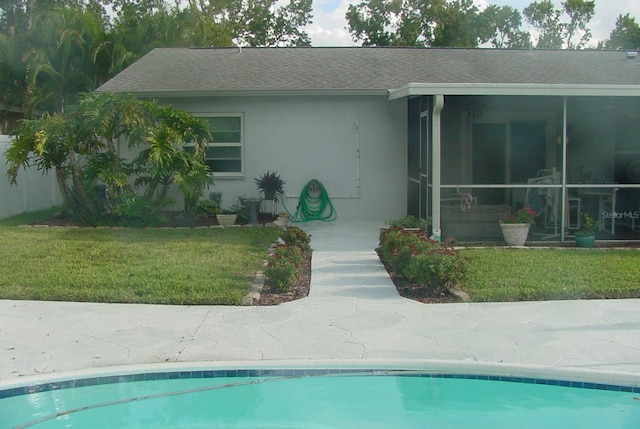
478	153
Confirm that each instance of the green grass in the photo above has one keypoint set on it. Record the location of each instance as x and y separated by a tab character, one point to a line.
216	266
27	218
497	274
168	266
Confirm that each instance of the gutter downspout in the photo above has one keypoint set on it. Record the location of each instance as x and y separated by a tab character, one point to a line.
438	104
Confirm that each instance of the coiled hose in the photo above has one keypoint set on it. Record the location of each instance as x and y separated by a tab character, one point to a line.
314	204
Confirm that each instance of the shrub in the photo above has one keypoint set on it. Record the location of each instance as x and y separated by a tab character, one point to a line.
420	260
407	222
283	268
291	253
437	270
135	211
207	208
399	246
295	236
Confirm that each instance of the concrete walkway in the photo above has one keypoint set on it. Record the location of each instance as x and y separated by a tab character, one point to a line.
353	312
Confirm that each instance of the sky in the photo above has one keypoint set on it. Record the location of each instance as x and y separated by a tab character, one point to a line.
329	24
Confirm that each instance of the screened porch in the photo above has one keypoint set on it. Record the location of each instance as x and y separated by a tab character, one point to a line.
474	160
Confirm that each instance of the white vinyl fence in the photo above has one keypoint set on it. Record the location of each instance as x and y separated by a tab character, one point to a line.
34	191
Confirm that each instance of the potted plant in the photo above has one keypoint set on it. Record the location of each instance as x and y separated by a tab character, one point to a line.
271	185
586	237
228	217
515	228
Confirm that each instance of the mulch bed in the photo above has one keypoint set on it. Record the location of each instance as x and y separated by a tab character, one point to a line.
171	222
301	290
418	293
413	291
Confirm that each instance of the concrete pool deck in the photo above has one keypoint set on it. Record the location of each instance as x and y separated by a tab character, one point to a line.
353	313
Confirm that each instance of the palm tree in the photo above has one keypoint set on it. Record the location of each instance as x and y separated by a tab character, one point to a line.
61	62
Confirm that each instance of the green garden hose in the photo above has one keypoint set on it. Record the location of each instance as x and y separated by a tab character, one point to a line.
314	204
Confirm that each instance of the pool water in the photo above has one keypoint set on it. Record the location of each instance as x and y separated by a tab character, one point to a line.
359	400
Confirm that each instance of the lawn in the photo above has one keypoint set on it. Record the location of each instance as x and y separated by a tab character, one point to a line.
501	274
158	266
216	266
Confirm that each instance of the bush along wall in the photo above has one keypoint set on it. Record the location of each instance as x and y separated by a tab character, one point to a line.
410	254
285	264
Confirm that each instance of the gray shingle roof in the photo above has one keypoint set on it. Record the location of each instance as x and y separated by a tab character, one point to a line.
220	70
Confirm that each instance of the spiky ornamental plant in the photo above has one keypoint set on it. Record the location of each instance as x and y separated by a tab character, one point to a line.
271	185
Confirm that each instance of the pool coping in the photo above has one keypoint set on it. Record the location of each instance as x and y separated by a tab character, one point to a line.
581	378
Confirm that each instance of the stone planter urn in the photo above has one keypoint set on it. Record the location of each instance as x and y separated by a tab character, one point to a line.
515	234
226	219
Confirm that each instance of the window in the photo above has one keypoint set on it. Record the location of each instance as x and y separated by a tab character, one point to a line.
224	152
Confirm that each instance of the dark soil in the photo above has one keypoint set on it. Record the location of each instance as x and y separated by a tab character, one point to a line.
301	290
418	293
171	222
413	291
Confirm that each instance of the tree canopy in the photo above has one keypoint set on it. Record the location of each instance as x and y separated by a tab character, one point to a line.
625	35
52	50
459	23
554	32
416	23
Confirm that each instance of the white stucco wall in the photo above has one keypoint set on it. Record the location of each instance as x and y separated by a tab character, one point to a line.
34	190
306	138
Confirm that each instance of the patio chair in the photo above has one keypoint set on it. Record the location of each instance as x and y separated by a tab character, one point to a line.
545	201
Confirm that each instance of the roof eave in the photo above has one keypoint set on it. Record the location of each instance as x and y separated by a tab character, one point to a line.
250	92
413	89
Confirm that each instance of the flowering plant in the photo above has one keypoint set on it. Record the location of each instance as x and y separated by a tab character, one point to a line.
524	215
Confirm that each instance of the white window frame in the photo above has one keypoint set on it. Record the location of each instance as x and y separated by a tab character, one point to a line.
240	144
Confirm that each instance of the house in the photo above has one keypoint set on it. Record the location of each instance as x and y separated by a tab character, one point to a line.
464	136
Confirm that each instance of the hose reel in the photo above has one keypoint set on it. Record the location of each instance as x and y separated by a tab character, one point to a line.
314	204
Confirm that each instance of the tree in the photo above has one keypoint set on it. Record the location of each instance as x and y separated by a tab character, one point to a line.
65	52
417	23
458	23
625	35
283	26
545	18
153	23
580	13
259	22
97	185
553	32
369	23
506	23
13	71
52	142
16	16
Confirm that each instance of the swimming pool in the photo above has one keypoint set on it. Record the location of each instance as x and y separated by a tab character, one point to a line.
318	398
